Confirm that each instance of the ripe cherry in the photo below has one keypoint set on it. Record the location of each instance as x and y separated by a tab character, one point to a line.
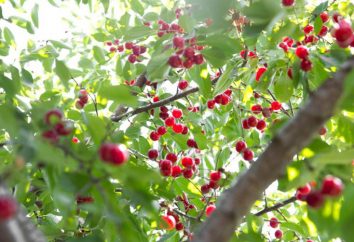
240	146
306	65
168	222
170	121
154	136
256	109
132	58
301	52
188	52
155	99
192	143
215	176
176	171
252	121
278	234
175	61
211	104
261	124
323	31
245	124
129	45
324	17
288	3
178	42
308	29
8	207
177	113
153	154
177	128
183	84
198	59
260	72
304	190
322	131
275	105
187	162
179	226
188	173
248	154
332	186
113	153
205	188
315	199
172	157
51	136
273	222
209	210
185	130
161	130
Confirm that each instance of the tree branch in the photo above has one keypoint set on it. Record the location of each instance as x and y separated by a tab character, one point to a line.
276	206
236	202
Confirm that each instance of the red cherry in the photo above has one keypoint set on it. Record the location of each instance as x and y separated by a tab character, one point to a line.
240	146
177	128
306	65
176	171
183	84
120	48
215	176
129	45
288	3
198	59
175	61
154	136
214	185
290	73
179	226
304	190
172	157
153	154
209	209
187	173
196	161
187	162
188	63
170	121
75	140
323	31
84	199
168	222
218	99
332	186
51	136
64	128
273	222
155	99
161	130
278	234
301	52
275	105
336	17
177	113
188	52
136	50
252	121
178	42
324	17
185	130
256	109
245	124
8	207
192	144
112	49
243	54
79	104
225	99
132	58
260	72
53	116
211	104
113	153
252	55
163	109
205	188
261	124
248	154
315	199
343	31
308	29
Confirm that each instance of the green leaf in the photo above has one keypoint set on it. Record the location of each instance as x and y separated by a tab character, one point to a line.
101	37
225	80
98	54
347	99
121	94
346	222
26	76
334	157
318	25
62	72
157	67
96	126
136	33
186	22
283	88
34	15
320	8
9	37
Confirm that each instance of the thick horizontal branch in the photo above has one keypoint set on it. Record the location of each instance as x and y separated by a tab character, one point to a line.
236	202
276	206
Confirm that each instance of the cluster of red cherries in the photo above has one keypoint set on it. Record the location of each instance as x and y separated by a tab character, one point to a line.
331	187
136	50
115	154
54	120
83	99
222	99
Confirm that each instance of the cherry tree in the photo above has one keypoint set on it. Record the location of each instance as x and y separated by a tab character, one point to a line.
193	120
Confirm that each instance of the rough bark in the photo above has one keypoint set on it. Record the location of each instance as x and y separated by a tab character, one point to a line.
236	202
